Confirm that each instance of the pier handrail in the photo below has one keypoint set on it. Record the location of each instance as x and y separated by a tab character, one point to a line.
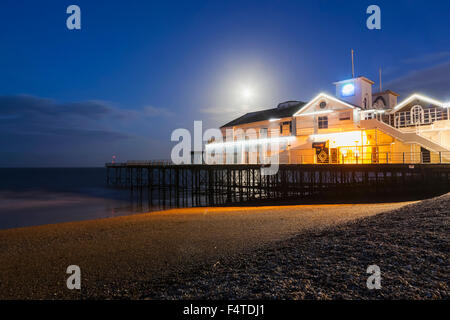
140	163
362	158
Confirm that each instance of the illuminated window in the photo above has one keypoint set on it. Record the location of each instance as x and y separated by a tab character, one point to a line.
323	122
348	90
286	128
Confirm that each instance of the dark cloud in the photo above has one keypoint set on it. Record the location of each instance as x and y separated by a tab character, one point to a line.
431	57
432	81
151	111
87	133
40	107
51	130
88	109
40	116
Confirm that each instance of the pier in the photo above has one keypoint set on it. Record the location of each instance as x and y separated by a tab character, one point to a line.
215	185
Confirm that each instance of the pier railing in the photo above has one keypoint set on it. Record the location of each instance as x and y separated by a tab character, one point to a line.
140	163
353	158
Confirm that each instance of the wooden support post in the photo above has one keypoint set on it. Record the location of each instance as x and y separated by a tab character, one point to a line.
177	186
164	185
191	173
210	186
229	182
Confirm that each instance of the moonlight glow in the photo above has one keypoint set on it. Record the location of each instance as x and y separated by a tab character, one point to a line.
247	93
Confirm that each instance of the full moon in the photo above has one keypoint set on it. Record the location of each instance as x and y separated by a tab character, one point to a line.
247	93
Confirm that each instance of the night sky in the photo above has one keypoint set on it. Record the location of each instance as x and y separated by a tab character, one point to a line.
137	70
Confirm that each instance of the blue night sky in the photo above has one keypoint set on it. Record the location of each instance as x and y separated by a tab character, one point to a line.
137	70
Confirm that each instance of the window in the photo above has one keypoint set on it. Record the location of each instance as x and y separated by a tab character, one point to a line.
344	116
369	116
323	122
286	128
348	90
417	115
263	132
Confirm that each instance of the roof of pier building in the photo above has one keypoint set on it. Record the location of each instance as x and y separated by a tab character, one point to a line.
283	110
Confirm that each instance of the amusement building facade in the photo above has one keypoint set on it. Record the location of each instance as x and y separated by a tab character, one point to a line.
355	126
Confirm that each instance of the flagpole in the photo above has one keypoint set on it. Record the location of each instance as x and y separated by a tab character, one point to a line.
381	86
353	66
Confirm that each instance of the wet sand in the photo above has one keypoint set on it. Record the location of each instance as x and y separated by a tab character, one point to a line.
34	208
120	257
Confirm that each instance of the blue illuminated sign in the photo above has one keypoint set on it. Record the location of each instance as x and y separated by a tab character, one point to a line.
348	90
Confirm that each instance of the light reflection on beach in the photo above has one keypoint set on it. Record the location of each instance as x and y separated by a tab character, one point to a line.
38	208
30	196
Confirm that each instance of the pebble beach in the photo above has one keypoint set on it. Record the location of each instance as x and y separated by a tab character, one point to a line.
286	252
411	245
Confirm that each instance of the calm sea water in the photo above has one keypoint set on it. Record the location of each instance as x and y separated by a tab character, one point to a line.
30	196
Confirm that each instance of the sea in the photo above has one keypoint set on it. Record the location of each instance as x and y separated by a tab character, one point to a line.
39	196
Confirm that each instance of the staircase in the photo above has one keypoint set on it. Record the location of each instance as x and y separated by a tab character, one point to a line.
406	137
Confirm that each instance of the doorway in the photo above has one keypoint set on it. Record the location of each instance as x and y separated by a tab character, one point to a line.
426	155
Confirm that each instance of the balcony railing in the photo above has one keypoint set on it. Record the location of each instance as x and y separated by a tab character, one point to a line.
377	158
405	119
